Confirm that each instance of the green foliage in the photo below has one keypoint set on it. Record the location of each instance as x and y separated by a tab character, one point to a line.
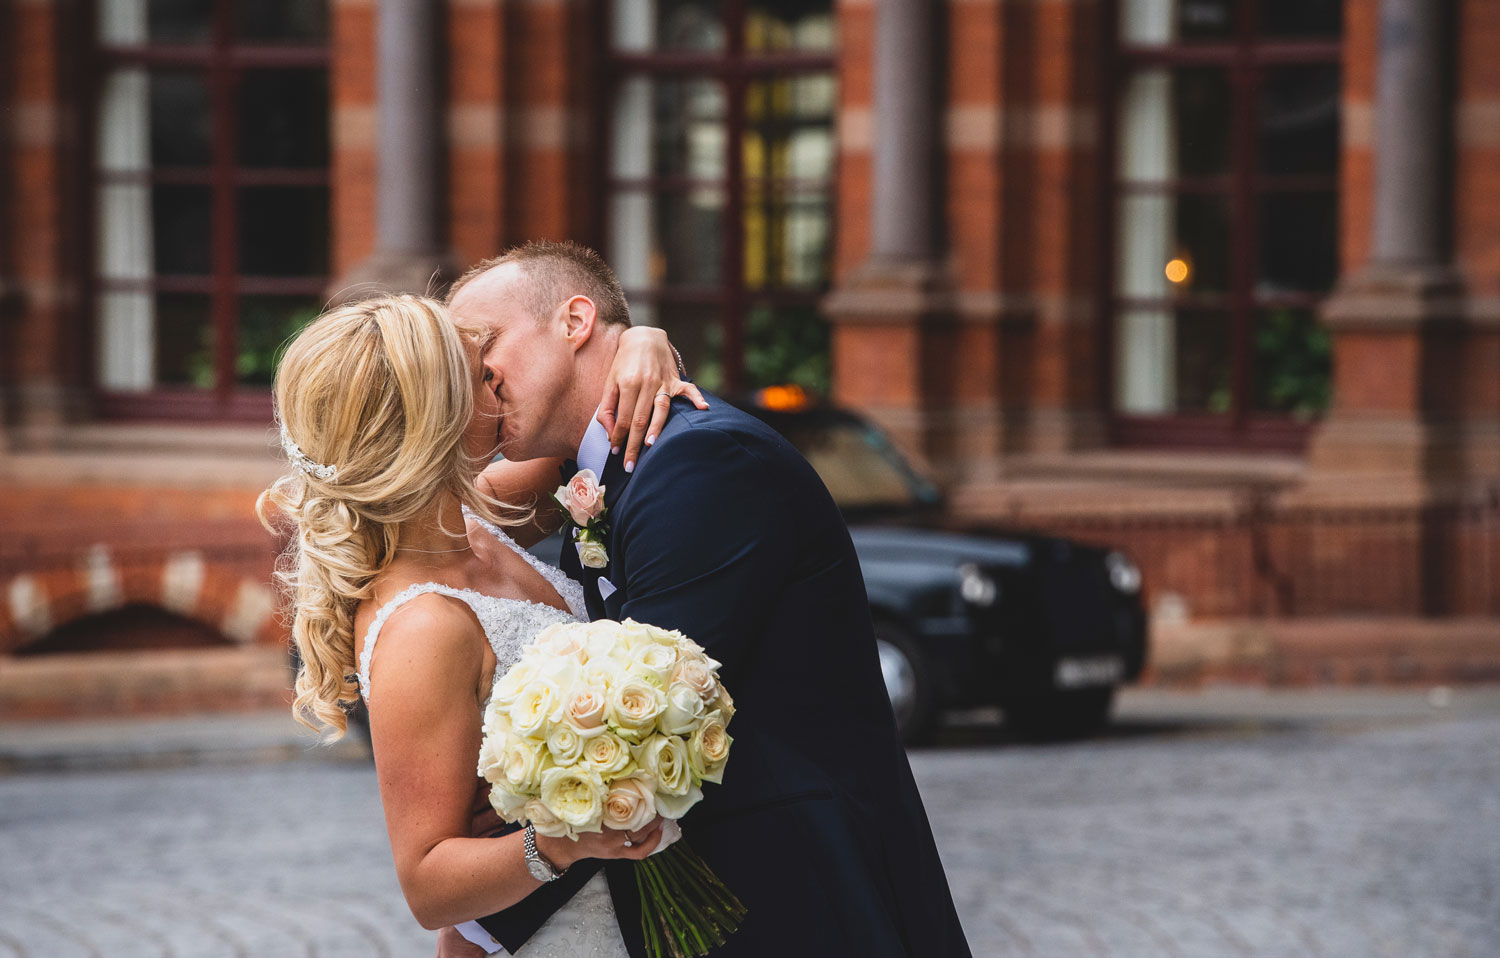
787	345
1293	363
267	324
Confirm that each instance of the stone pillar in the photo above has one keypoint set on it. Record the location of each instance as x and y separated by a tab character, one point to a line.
892	314
1398	324
905	133
411	254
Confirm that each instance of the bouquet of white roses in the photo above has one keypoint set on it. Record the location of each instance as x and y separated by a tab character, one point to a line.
609	724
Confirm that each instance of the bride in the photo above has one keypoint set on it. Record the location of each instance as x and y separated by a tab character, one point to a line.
408	592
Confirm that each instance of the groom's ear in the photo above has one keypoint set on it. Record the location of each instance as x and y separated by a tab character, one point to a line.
579	318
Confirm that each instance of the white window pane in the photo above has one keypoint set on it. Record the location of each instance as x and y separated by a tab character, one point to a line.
127	340
125	231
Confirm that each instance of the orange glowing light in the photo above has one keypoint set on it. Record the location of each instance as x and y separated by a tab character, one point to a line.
1178	271
789	398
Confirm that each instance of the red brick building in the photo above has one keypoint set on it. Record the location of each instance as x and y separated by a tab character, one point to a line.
1215	280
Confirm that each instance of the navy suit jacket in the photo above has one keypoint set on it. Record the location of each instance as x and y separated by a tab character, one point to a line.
726	533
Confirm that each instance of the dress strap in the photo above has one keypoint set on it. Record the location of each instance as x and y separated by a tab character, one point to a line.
403	597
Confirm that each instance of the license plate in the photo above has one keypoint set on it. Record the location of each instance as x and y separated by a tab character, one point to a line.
1088	671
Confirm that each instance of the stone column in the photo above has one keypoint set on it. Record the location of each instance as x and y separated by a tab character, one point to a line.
411	253
1398	324
892	313
905	133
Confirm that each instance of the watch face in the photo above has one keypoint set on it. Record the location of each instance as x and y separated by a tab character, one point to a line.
540	871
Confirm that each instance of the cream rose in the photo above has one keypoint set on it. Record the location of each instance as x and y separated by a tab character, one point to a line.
633	707
606	754
533	709
665	758
497	719
564	743
592	554
508	804
684	709
603	674
508	689
630	805
724	703
695	673
676	806
633	633
559	640
491	759
575	796
562	672
653	660
708	748
521	764
583	707
540	816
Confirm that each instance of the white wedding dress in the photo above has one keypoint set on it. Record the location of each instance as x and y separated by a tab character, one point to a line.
585	927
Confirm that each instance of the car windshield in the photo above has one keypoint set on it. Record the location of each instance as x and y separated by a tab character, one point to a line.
859	465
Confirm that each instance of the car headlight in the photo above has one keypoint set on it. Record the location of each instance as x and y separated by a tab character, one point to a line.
976	587
1124	575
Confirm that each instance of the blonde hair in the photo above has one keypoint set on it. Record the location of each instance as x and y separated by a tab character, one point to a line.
382	392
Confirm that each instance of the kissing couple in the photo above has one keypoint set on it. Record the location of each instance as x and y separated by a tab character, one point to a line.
412	588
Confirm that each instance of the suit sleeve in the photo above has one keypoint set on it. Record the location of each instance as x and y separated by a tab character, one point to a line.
707	542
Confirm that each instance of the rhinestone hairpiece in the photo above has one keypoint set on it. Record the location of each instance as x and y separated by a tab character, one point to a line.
299	459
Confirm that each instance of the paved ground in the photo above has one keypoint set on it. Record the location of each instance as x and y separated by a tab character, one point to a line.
1226	823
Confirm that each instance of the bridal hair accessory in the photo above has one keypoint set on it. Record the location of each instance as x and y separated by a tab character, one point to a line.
298	458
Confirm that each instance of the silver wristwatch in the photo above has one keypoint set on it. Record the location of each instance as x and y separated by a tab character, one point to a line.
540	868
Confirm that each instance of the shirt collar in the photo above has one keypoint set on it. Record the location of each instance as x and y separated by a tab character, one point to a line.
593	452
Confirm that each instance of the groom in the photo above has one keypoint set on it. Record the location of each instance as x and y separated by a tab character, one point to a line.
724	531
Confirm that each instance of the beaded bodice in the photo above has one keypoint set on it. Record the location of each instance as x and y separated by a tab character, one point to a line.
508	623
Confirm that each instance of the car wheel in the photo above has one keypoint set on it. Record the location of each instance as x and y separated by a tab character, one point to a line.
908	681
1054	715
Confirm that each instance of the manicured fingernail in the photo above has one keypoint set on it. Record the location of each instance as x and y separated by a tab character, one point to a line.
629	466
650	440
614	450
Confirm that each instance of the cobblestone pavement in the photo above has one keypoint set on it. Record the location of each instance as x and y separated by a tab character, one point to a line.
1252	827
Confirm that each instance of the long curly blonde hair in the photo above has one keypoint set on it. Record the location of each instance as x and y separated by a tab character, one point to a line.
379	392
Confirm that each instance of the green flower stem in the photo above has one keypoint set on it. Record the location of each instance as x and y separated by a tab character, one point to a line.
672	905
686	904
697	867
711	901
688	891
677	939
651	934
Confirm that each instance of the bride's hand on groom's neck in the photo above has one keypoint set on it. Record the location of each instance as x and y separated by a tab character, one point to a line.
639	388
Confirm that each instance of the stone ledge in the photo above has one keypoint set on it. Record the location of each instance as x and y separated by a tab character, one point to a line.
144	682
1326	651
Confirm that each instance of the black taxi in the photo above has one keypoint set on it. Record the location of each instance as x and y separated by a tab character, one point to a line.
1044	627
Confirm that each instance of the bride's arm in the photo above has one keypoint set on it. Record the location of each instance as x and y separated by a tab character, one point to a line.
632	409
425	732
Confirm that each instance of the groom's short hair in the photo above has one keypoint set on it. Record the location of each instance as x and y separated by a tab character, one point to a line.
556	271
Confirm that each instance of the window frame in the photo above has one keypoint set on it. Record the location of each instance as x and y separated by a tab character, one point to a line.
735	68
1244	55
221	60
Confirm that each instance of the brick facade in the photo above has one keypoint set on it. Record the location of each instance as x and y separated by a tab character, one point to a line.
990	365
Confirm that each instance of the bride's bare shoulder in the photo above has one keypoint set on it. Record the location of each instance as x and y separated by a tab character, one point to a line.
428	636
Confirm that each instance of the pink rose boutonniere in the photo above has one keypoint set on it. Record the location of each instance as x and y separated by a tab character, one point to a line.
582	498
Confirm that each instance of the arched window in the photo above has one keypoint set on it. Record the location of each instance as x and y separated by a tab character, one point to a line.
211	206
